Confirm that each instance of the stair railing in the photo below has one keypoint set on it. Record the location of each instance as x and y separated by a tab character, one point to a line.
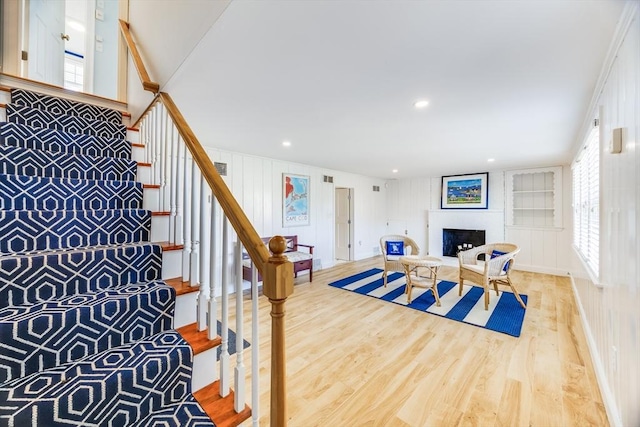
201	207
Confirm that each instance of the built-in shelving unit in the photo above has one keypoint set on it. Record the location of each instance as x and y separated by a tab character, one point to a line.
534	197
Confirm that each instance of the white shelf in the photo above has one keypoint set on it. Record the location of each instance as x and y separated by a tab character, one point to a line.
534	198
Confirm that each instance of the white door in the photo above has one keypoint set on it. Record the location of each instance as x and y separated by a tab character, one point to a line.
343	224
46	41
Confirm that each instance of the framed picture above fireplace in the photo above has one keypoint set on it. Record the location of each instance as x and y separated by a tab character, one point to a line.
470	191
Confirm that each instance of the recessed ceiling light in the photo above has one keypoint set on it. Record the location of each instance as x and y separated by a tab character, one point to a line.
395	171
421	103
491	160
286	143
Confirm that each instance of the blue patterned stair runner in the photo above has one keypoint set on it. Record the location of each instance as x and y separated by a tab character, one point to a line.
64	122
55	194
43	276
56	105
24	161
17	135
85	321
119	387
29	231
71	328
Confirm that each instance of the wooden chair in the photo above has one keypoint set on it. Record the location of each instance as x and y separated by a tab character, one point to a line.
496	268
392	261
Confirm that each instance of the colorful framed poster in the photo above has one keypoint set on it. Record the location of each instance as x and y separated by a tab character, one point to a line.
470	191
295	200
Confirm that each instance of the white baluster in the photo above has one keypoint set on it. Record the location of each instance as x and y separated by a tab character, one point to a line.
195	225
239	396
186	197
255	350
205	253
166	162
173	182
157	140
213	300
224	345
180	190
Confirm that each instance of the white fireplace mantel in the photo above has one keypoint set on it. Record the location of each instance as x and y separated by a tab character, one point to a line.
492	221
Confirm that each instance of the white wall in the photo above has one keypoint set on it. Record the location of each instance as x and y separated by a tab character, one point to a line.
256	182
166	32
610	304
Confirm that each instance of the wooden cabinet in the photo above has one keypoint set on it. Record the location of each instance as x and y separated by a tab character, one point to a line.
534	197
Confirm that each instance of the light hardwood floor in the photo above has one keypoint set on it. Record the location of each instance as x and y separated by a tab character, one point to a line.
357	361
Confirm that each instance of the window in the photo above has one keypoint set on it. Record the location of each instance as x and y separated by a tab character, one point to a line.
586	200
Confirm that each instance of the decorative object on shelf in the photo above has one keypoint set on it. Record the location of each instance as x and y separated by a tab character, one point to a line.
295	200
470	191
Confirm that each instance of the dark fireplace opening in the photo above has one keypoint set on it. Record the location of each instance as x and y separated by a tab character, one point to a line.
453	238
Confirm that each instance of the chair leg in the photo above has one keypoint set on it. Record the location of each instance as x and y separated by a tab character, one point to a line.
486	295
384	278
460	286
515	292
495	286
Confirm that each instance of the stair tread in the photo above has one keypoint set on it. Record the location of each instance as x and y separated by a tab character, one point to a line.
198	340
219	408
181	287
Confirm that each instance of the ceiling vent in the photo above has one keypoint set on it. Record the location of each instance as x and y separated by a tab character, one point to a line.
376	188
221	168
327	178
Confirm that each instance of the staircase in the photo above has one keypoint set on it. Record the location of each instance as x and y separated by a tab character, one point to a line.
87	323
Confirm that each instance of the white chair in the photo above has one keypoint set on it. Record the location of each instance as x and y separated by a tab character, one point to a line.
392	259
496	268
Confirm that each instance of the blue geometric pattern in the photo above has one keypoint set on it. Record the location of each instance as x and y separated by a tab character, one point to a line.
66	123
56	105
85	320
29	231
39	277
41	336
23	161
187	413
116	387
18	192
17	135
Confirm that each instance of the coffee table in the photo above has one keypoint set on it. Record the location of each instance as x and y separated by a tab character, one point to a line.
411	264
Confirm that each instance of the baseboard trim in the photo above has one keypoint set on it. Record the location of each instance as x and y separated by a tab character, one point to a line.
607	396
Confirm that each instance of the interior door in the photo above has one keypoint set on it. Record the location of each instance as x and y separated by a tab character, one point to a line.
46	42
343	224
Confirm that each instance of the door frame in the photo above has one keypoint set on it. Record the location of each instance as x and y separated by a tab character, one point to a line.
351	222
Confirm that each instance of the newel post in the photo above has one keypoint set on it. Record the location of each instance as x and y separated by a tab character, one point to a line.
277	286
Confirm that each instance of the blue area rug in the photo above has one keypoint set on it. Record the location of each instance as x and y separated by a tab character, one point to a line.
505	314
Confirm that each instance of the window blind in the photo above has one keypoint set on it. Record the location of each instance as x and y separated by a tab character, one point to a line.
586	201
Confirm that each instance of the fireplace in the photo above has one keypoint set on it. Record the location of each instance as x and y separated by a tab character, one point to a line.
453	238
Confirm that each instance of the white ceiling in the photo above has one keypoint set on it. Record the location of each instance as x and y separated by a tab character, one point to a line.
509	80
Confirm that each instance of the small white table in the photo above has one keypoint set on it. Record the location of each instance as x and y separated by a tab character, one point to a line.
411	263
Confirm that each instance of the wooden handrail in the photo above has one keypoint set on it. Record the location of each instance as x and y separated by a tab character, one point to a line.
147	83
277	270
252	242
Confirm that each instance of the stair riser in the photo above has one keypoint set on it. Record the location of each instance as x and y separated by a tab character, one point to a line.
21	161
15	135
26	231
90	392
35	193
185	311
38	278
